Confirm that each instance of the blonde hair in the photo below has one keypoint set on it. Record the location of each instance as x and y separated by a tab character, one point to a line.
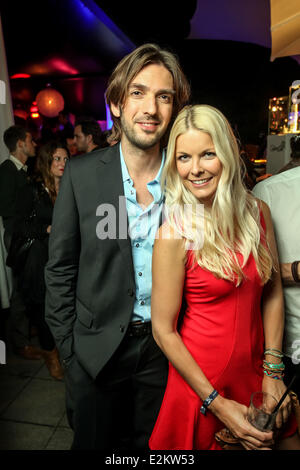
232	224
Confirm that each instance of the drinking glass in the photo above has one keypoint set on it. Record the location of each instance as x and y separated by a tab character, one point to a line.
261	411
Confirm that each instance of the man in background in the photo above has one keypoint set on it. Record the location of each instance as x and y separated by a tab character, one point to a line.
88	135
13	176
282	194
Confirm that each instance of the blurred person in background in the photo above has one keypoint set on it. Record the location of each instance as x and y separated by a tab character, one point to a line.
33	219
88	135
13	177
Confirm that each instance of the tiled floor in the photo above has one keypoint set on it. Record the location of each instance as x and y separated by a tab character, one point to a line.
32	407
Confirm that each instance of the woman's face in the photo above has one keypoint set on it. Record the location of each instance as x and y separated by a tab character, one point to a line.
198	165
59	159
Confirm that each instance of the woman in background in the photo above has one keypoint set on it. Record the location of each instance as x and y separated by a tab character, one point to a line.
33	220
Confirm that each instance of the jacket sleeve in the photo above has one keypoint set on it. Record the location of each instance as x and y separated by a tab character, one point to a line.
62	267
8	189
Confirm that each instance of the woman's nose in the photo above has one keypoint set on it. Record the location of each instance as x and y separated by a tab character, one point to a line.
196	168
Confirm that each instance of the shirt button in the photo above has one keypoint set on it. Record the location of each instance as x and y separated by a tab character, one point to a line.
140	274
137	245
142	302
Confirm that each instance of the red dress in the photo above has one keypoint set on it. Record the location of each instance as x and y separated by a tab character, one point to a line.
222	328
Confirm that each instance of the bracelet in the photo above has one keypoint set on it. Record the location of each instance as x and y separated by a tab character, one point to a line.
273	365
294	269
274	375
208	401
274	352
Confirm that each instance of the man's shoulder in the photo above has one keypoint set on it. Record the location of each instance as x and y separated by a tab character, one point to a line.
8	171
8	165
92	159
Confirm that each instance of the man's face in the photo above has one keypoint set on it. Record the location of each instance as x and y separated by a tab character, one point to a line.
147	110
81	139
28	145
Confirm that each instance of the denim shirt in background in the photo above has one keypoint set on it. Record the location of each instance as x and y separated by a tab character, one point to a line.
143	225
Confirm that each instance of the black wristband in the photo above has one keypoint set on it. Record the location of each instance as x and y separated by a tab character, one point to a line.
294	269
208	401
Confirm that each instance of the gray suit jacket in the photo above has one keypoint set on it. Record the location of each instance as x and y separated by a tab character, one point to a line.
90	281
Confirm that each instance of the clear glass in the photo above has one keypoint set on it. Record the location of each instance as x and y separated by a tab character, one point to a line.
261	411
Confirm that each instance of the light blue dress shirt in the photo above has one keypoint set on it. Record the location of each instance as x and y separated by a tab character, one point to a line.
143	225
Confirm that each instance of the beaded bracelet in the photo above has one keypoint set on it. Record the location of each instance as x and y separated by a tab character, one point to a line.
274	352
273	375
273	365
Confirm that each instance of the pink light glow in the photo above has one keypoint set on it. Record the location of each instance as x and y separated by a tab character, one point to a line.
63	66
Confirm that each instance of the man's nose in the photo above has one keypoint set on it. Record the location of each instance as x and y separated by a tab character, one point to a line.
150	105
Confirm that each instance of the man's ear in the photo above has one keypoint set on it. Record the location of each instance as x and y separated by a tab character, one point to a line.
115	109
20	144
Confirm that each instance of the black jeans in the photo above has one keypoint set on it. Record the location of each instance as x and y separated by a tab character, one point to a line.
118	410
37	317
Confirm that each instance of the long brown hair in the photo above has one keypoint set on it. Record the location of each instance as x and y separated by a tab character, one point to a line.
130	66
43	165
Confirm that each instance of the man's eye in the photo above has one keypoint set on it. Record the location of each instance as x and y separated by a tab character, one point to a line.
136	93
165	98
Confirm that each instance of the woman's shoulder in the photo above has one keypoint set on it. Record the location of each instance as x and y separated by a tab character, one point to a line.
169	244
169	234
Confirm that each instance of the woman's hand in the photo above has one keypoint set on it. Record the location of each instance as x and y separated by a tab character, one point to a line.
49	229
234	416
277	389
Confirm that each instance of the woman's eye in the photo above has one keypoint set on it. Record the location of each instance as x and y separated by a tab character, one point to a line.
209	155
182	158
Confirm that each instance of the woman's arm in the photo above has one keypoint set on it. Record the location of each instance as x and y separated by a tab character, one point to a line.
168	274
273	319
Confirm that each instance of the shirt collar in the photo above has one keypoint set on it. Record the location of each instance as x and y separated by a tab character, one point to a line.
125	174
18	164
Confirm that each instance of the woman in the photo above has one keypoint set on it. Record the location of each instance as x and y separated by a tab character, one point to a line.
223	261
33	220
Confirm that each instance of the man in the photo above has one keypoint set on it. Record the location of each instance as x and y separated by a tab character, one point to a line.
13	177
88	135
282	194
98	279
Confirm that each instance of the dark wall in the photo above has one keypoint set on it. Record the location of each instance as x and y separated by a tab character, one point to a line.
239	79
